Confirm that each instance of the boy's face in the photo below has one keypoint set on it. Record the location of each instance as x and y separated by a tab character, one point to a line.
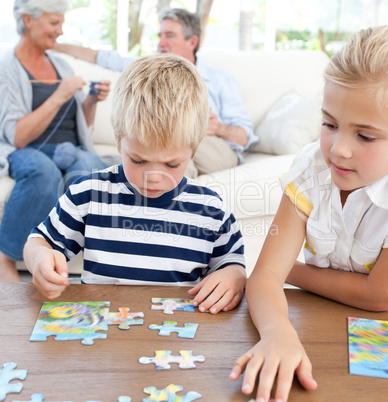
153	171
354	136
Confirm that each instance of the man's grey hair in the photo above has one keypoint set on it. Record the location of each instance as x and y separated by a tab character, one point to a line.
35	8
191	23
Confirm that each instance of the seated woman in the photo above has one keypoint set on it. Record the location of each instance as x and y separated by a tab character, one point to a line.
44	118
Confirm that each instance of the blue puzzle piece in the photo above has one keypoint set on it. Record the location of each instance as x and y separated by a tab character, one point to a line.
7	374
168	394
188	331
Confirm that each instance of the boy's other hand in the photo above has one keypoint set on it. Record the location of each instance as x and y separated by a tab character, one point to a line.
221	290
50	275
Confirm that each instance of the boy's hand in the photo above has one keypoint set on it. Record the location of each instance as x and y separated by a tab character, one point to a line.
50	273
221	290
280	354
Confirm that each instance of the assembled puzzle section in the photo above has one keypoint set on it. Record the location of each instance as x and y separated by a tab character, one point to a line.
168	394
368	347
40	398
169	305
80	320
70	321
163	358
8	374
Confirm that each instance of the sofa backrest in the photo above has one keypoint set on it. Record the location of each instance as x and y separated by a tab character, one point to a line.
264	77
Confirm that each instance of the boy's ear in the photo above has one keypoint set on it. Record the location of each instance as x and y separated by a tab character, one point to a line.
118	144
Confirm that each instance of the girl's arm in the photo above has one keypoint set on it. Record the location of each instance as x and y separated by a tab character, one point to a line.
279	351
368	292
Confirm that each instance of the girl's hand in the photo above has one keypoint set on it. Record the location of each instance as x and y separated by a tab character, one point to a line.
279	354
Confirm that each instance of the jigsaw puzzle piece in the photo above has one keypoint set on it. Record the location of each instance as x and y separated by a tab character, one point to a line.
162	359
7	374
186	359
72	321
124	318
168	305
39	398
124	399
188	331
168	394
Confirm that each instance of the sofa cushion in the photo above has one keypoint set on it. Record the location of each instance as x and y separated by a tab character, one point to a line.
266	76
290	124
253	188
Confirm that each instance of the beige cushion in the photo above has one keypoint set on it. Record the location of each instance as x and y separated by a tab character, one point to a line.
251	189
292	123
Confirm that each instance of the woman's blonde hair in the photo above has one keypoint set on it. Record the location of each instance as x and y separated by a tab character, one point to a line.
363	63
162	101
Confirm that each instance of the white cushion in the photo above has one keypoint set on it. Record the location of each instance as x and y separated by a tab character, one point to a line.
253	188
289	125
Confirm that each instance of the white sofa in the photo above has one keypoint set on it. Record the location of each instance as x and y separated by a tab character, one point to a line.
252	189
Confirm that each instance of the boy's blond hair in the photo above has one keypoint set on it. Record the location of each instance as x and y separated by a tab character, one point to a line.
362	63
162	101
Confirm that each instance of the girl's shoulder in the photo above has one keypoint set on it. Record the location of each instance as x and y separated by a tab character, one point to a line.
308	163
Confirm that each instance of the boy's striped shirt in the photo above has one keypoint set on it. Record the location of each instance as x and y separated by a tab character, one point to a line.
126	238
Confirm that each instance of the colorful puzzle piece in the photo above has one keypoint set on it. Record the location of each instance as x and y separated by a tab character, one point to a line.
124	399
168	394
39	398
7	374
162	359
168	305
124	318
188	331
74	320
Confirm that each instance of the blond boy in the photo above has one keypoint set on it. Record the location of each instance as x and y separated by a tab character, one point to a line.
143	222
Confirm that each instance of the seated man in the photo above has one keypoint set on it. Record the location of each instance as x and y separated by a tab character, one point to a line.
230	130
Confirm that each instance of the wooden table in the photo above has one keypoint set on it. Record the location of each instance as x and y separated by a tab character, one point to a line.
74	372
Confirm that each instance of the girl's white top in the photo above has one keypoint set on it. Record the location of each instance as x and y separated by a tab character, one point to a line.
348	238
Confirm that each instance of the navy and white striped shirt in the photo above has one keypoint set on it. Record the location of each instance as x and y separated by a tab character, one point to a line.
175	239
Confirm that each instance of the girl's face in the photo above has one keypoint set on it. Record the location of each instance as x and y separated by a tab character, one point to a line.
354	137
44	30
153	171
